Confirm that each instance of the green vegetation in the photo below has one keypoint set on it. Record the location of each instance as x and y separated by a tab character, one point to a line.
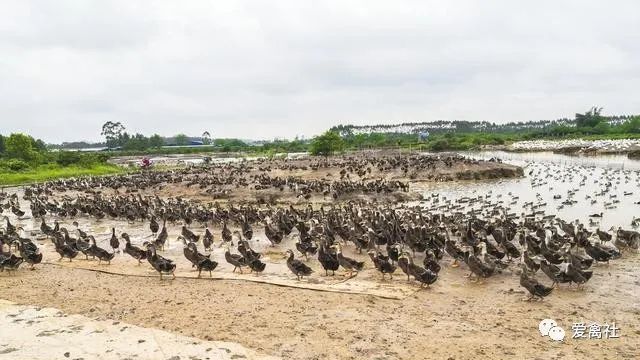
590	125
52	171
327	144
25	159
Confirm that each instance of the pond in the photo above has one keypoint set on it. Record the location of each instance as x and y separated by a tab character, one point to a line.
607	184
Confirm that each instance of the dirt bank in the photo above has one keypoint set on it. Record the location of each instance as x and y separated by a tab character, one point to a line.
342	178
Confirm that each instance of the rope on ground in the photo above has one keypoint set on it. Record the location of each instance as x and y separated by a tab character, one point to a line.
258	281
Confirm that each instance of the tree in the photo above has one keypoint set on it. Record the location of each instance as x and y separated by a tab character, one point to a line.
632	125
39	145
136	142
182	139
589	119
326	144
156	141
112	131
1	144
20	146
206	138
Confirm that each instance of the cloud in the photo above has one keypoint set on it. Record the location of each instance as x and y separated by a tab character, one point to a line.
284	68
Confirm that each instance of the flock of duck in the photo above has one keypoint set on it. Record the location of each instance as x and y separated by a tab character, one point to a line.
479	232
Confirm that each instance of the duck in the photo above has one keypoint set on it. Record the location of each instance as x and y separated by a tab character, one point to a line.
478	267
206	264
245	249
46	229
227	238
535	288
236	260
580	262
162	238
604	236
274	236
430	262
82	234
207	240
134	251
348	264
601	253
114	242
77	244
64	250
9	262
297	267
327	259
511	250
160	264
31	257
9	228
576	275
554	273
490	259
531	262
247	231
251	257
451	248
403	264
198	260
100	253
420	274
153	225
191	253
306	248
189	235
549	255
382	263
17	212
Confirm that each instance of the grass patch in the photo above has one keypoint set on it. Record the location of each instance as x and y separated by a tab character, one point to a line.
51	172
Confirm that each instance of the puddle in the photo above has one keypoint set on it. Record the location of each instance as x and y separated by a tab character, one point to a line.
78	337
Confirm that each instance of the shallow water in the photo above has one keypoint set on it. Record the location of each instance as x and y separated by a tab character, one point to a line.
548	174
609	161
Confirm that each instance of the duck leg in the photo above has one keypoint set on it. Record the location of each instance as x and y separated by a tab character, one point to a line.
455	263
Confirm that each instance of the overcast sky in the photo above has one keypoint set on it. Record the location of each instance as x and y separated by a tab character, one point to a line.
264	69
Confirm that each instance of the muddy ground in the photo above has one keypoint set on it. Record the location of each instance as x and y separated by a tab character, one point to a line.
454	319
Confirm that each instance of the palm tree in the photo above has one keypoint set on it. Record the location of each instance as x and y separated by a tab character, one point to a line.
206	138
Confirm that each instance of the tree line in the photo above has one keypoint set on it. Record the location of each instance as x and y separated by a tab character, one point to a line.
19	152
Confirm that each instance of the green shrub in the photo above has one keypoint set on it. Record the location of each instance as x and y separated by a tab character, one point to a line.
326	144
66	158
440	145
14	165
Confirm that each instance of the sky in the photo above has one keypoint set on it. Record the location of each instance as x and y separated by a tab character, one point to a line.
267	69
